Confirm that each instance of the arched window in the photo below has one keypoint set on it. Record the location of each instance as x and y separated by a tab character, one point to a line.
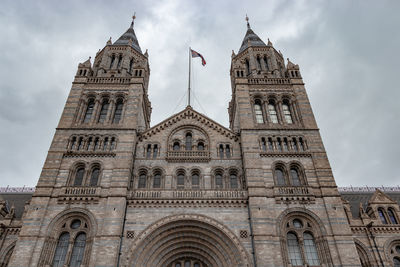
188	141
61	250
310	250
119	61
78	250
248	67
279	144
221	151
180	179
233	181
294	250
286	112
285	144
72	144
258	111
103	111
218	180
89	143
396	262
142	180
294	175
105	144
279	176
228	151
263	144
200	146
266	63
187	264
270	146
392	216
294	144
118	111
80	143
96	144
80	172
89	111
273	116
130	65
157	179
112	143
148	152
112	61
94	178
155	151
195	179
259	63
363	256
301	143
176	146
382	216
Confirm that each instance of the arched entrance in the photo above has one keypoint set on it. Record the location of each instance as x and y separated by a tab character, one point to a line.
187	241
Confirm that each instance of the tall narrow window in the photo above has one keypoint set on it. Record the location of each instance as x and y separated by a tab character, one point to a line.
218	180
103	111
301	143
80	143
221	151
280	179
263	144
79	176
112	61
294	144
78	250
233	181
259	63
195	180
286	113
176	146
258	112
96	144
270	146
273	116
279	144
119	61
294	175
61	250
89	143
157	180
188	143
392	217
155	151
112	143
94	178
266	63
118	111
130	65
105	145
89	111
248	67
285	144
180	179
310	250
148	151
73	142
382	216
187	263
294	250
228	151
142	180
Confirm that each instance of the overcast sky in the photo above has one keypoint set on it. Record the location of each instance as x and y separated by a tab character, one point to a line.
348	52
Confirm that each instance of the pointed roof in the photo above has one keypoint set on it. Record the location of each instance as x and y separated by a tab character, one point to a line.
129	38
189	113
250	39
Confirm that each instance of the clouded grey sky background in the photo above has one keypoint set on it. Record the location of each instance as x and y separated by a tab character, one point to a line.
348	52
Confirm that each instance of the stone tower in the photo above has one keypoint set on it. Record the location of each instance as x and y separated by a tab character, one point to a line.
189	192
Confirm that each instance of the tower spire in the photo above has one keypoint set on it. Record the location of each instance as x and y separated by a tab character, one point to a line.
248	24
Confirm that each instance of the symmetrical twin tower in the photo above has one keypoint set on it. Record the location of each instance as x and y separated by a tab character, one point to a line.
189	192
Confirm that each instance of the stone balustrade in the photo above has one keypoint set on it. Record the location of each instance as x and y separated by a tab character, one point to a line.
292	190
188	156
109	80
269	81
80	191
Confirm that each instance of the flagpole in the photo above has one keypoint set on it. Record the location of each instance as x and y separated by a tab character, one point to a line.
189	76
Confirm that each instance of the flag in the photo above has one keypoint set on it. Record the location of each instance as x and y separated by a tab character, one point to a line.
195	54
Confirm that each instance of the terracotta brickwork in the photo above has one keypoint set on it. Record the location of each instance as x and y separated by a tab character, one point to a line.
188	191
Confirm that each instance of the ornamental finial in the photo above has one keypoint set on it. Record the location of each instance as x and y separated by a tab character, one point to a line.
248	24
133	19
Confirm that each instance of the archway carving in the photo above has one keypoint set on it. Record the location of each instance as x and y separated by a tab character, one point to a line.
187	237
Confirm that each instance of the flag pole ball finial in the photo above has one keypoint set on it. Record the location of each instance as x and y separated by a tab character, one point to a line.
248	24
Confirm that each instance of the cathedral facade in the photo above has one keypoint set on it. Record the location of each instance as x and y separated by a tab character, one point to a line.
189	192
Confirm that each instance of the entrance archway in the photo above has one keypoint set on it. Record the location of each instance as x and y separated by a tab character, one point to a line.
188	241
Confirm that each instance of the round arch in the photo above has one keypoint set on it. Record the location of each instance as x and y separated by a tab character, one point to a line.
187	236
